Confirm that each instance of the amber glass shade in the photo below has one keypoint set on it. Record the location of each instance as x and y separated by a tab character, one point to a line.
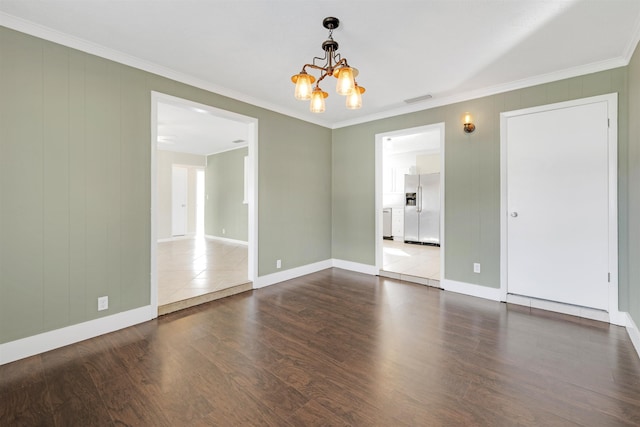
354	99
345	81
303	86
317	100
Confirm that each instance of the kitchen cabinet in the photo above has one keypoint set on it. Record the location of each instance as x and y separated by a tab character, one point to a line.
397	223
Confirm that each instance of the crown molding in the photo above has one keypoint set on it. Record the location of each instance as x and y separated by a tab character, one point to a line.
493	90
64	39
49	34
633	42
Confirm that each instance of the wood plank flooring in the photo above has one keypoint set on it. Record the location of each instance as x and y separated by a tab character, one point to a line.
336	348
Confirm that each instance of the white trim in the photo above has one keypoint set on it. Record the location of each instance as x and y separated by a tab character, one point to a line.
224	239
252	144
615	316
153	258
558	307
36	344
354	266
50	34
379	137
633	43
582	70
174	238
281	276
634	333
471	289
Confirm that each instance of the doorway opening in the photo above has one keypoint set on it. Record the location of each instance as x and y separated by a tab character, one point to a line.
203	236
410	204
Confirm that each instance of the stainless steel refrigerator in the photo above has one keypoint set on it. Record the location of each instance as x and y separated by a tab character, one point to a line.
422	208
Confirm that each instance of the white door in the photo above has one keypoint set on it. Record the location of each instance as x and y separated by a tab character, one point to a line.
558	205
179	201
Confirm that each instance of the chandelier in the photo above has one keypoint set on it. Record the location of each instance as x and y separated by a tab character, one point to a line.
335	66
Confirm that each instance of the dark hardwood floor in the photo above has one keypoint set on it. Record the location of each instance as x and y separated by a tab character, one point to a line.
336	348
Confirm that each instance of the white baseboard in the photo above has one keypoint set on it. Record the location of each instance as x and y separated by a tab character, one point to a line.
174	238
471	289
36	344
224	239
354	266
634	333
558	307
281	276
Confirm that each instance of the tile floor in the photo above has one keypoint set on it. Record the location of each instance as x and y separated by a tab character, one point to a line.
193	267
411	259
189	268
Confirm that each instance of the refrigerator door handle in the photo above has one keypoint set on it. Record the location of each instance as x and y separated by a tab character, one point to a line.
419	201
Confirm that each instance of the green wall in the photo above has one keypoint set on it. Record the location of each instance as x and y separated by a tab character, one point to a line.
295	197
632	163
224	207
472	177
75	169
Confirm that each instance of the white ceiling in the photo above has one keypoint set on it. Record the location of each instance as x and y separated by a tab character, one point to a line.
451	49
194	130
427	142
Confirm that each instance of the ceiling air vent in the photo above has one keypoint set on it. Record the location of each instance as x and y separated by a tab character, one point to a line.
418	99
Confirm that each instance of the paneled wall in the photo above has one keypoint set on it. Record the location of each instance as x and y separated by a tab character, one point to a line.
226	214
75	184
472	174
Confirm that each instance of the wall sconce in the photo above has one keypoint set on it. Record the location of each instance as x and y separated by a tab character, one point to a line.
468	125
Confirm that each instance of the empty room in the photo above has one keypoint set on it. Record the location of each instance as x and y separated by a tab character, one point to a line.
394	213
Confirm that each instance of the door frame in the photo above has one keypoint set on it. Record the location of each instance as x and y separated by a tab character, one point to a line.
378	189
613	315
252	175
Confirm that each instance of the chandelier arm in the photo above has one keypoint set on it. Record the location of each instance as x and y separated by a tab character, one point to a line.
325	74
342	62
326	59
315	67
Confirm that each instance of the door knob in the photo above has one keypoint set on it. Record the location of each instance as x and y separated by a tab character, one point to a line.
514	214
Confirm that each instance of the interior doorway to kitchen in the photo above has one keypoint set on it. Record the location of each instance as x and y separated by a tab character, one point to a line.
410	204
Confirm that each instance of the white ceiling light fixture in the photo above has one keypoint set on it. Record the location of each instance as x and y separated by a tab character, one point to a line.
334	65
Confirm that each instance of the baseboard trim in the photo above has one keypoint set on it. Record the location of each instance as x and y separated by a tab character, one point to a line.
36	344
354	266
224	239
558	307
281	276
633	332
173	239
471	289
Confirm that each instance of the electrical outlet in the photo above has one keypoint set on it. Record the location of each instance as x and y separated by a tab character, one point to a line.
476	267
278	263
103	303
